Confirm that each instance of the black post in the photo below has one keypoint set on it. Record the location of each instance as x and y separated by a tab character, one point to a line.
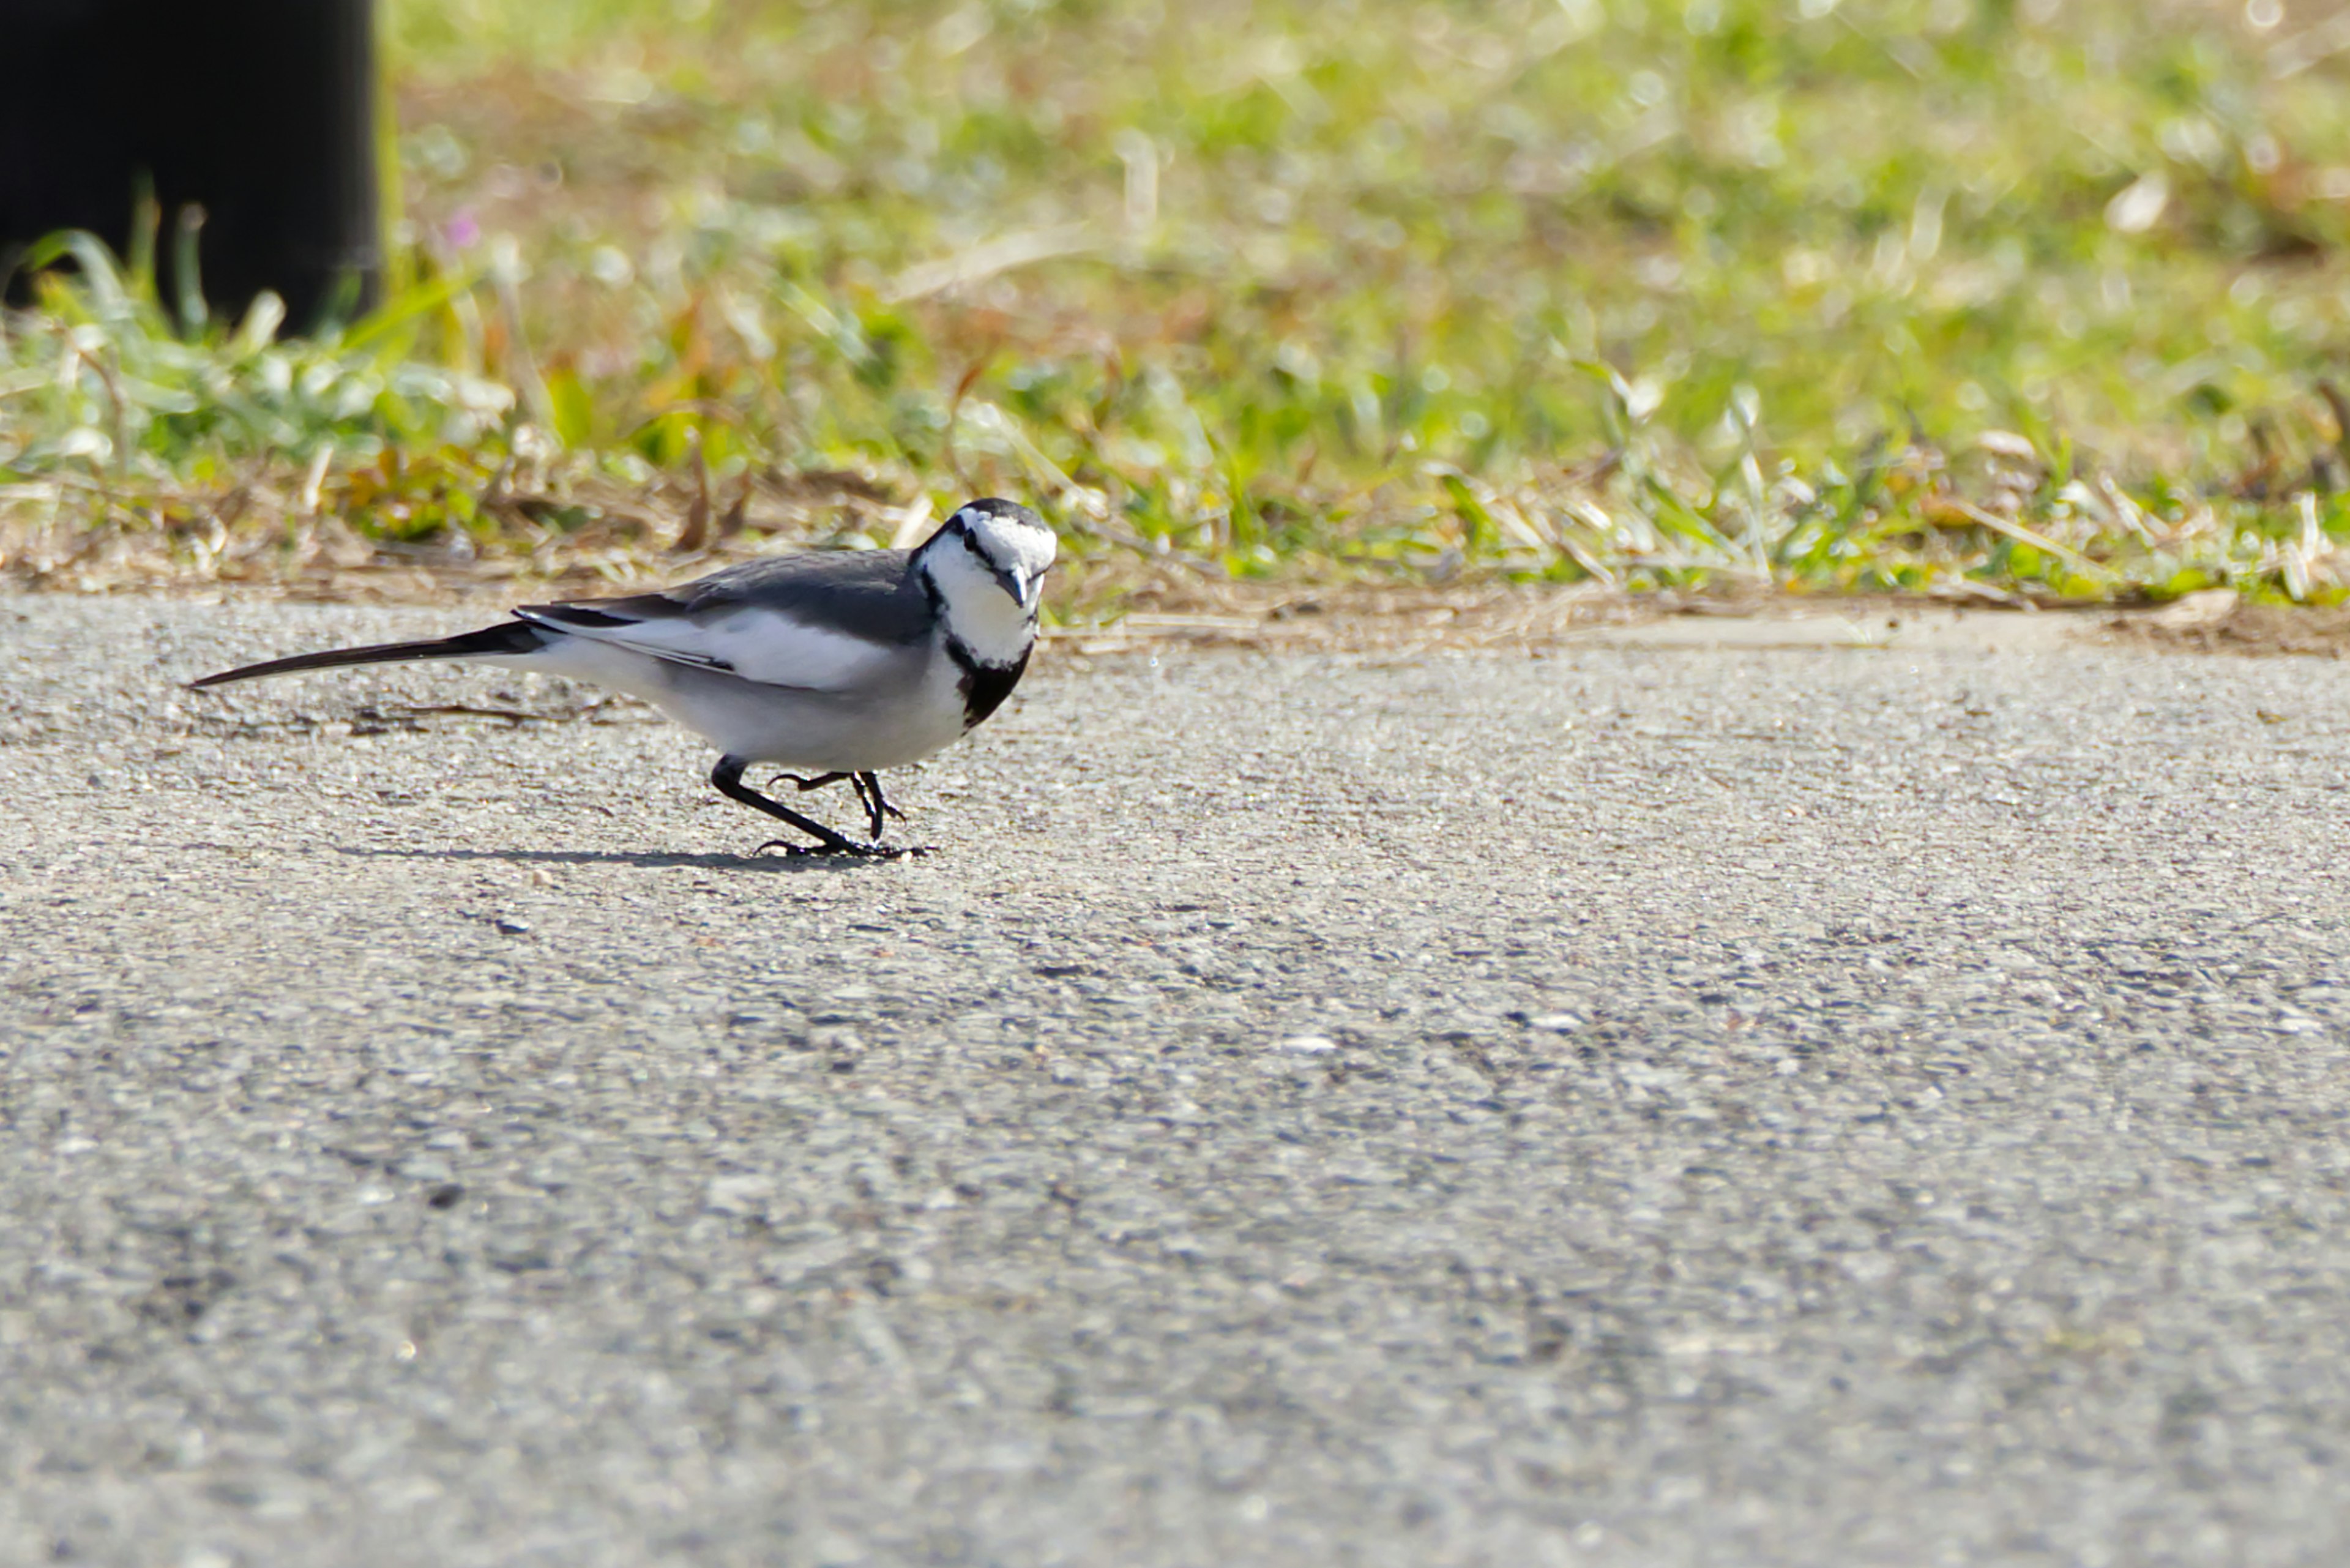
260	112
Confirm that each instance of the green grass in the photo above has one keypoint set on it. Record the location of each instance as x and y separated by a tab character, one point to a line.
2003	299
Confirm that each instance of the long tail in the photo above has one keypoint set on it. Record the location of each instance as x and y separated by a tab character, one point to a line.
514	636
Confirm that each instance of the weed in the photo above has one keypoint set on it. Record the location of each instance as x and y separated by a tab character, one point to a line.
2006	300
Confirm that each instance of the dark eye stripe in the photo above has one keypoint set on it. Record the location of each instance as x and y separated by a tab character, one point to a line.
971	542
963	523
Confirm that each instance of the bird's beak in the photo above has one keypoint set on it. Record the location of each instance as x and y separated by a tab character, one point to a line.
1021	589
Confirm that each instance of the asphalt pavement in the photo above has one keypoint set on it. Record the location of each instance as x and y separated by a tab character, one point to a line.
1688	1096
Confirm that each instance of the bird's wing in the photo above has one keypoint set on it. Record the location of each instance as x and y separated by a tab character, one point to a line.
818	622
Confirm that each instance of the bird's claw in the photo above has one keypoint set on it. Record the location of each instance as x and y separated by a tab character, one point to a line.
877	811
846	846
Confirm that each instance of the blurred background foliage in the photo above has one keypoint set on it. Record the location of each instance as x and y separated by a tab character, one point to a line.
2002	299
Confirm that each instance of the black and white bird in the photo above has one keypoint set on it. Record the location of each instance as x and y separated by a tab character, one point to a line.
834	664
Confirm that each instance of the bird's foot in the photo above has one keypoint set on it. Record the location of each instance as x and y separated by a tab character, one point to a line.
878	808
847	847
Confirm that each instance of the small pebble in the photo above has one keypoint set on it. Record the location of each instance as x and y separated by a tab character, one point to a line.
1311	1044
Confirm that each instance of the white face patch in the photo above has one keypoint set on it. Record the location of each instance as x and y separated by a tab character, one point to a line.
988	564
996	628
1016	544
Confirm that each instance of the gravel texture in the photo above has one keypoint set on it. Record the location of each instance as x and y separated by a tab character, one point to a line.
1649	1104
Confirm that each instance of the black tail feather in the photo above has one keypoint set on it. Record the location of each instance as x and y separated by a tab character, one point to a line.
513	637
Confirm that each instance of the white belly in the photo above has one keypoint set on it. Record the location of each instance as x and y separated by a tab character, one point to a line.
911	709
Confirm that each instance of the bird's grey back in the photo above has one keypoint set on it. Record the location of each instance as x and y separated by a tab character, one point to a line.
868	593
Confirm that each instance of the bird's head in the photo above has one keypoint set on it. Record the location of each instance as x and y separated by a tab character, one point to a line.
987	564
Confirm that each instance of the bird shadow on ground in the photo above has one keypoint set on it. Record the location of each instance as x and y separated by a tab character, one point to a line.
650	860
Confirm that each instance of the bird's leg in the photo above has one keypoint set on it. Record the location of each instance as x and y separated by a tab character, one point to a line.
806	784
872	817
877	805
727	778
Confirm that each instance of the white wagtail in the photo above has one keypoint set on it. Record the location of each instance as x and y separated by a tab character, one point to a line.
834	663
